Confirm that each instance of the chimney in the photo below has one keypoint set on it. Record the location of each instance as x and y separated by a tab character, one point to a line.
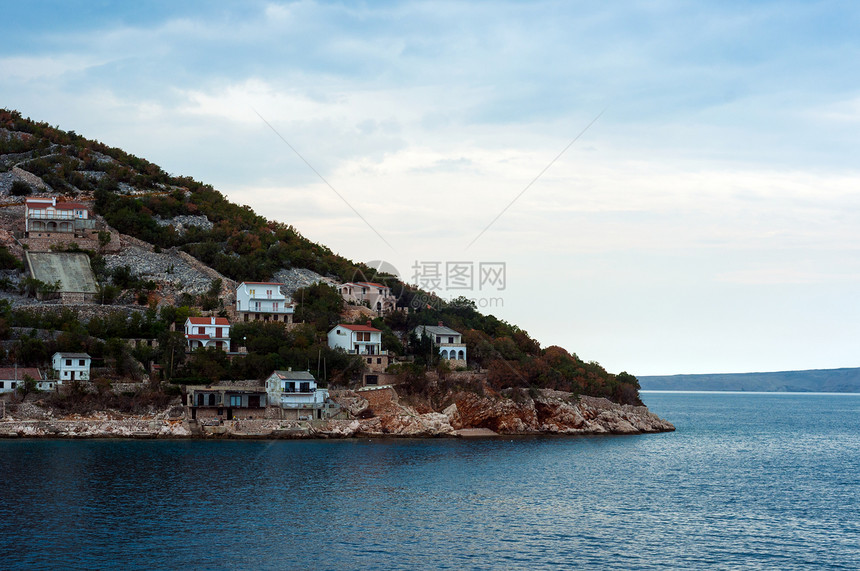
440	324
369	323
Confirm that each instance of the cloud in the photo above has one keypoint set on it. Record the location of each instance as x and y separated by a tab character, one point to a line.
725	160
29	68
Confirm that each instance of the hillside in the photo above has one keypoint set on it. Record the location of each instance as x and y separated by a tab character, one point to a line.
816	380
163	248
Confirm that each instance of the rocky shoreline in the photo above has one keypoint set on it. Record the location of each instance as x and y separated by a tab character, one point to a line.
469	415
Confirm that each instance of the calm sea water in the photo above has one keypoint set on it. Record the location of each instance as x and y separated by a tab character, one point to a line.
747	481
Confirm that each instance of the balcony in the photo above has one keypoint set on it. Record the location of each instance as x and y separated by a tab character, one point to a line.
59	215
369	351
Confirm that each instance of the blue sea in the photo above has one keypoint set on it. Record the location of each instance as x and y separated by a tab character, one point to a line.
748	481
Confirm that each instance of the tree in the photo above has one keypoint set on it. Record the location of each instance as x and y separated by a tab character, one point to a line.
27	386
171	351
104	240
319	304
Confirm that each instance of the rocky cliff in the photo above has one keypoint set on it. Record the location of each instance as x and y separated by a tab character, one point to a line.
374	413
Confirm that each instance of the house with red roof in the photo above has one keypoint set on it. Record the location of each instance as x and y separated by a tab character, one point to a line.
374	295
363	340
11	378
46	215
263	301
207	332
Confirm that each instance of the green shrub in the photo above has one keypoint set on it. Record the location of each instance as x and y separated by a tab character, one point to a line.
20	188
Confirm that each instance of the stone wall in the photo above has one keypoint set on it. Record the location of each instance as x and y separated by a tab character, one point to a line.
87	312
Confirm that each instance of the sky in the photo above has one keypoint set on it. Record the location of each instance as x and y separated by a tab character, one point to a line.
670	187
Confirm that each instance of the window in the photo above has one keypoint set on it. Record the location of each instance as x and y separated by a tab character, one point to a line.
305	387
438	339
379	360
369	360
450	339
81	363
13	385
235	400
1	384
68	362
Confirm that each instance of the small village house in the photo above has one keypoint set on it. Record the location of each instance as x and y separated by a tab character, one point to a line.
226	401
373	295
11	379
263	301
42	216
71	367
448	342
363	340
298	396
203	332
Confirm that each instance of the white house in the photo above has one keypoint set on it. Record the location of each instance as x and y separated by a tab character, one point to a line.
71	366
297	393
207	332
376	296
12	377
263	301
48	215
361	340
446	340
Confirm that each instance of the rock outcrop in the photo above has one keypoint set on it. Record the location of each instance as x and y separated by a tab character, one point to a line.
375	413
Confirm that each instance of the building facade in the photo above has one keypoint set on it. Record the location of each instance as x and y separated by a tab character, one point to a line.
362	340
376	296
225	402
71	367
11	378
448	342
203	332
46	215
263	301
298	396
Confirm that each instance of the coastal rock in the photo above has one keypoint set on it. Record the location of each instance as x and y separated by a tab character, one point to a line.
555	413
381	414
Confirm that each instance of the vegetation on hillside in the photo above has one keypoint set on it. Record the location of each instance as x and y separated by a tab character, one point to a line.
132	193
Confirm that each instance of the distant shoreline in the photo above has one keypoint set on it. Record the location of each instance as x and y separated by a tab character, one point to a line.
736	392
837	381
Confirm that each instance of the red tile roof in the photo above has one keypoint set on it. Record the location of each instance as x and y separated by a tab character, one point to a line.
359	327
9	374
263	283
196	336
70	206
222	321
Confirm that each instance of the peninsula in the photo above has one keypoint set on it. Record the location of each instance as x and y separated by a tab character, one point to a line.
134	303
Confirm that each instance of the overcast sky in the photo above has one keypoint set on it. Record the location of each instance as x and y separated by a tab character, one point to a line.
707	221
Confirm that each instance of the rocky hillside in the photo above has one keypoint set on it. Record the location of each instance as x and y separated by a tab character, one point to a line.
174	247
